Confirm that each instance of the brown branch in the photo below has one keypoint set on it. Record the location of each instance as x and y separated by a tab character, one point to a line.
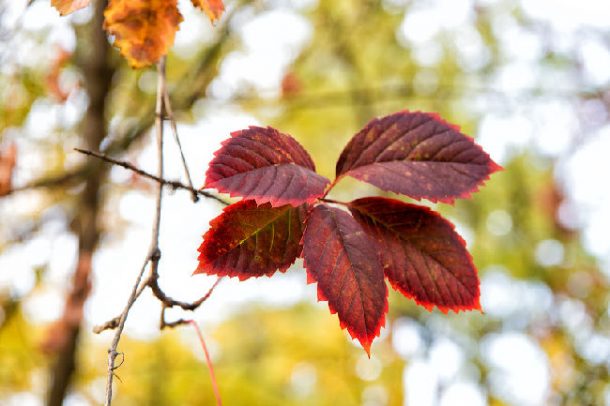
114	322
109	325
163	324
174	184
154	253
169	302
166	301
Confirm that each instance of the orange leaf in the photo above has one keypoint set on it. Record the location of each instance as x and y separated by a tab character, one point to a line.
144	30
213	8
69	6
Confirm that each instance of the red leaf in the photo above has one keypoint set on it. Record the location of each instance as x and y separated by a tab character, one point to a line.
247	240
267	166
423	257
340	257
416	154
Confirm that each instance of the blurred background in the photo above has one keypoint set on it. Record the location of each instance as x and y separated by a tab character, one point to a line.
528	79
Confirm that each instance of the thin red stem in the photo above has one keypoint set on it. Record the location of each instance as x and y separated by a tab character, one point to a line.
209	362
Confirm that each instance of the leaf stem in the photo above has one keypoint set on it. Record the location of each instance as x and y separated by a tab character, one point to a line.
334	202
329	188
209	362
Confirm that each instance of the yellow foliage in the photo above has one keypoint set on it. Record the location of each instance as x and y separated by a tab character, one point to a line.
144	30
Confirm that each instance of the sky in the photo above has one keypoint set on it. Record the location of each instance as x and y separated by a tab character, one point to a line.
520	371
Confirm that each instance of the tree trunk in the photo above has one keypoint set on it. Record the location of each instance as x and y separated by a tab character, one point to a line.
93	61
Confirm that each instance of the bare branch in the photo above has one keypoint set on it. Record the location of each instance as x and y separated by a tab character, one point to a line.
172	120
109	325
154	253
165	300
48	182
169	302
114	322
170	324
174	184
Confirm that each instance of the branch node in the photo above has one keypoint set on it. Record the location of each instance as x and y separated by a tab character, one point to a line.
122	354
155	255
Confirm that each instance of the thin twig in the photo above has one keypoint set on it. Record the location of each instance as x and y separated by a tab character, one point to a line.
172	121
163	324
169	302
174	184
114	322
154	253
165	300
112	352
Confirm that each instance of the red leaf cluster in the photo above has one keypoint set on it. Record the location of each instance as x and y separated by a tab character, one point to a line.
349	253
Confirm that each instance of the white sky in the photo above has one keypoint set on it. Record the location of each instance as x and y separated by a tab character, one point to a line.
520	371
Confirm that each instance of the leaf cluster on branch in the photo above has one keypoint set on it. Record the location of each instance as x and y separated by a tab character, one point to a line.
285	215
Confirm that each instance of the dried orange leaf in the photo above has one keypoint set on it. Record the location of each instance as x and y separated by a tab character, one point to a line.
144	30
213	8
69	6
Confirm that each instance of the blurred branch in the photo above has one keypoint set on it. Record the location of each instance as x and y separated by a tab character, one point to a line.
174	184
49	182
397	92
361	98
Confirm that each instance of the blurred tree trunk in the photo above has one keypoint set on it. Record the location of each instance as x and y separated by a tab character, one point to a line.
93	62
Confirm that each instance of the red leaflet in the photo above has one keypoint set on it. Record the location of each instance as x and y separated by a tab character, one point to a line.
416	154
267	166
423	257
249	241
340	257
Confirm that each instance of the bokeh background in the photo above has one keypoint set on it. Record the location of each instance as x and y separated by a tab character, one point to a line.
528	79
